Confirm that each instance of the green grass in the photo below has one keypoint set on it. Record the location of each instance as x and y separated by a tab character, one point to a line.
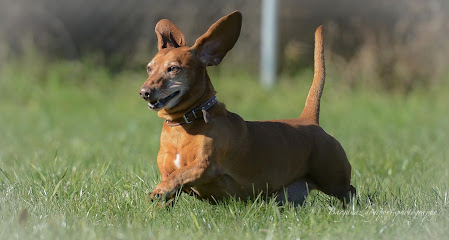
78	156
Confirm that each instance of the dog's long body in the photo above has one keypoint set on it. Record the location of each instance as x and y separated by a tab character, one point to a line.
213	153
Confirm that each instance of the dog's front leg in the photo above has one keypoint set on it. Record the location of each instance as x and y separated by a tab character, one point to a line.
184	176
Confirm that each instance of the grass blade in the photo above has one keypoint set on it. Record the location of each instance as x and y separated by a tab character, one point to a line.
43	178
59	183
6	175
195	220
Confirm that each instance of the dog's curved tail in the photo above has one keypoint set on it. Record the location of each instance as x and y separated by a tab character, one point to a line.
312	108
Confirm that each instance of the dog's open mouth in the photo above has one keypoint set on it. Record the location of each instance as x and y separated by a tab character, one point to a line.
160	103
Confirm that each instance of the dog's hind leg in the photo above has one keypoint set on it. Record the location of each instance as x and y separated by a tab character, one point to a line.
347	196
295	193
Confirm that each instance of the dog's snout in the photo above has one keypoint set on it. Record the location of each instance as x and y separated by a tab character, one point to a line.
145	93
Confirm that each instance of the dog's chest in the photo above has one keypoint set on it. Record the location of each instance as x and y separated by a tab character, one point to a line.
180	150
174	159
177	161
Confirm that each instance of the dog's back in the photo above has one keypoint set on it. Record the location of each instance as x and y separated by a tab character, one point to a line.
288	150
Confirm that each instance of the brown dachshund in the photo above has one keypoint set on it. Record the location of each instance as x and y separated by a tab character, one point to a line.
213	153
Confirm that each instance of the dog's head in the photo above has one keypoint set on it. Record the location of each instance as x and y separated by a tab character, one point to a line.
176	75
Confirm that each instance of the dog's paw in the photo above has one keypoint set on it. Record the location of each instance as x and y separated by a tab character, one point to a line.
162	192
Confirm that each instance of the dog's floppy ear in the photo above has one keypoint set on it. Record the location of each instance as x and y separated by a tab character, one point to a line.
168	35
212	46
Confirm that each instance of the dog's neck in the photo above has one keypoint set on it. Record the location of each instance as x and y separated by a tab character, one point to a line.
178	112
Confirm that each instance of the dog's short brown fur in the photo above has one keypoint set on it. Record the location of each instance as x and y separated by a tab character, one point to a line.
219	154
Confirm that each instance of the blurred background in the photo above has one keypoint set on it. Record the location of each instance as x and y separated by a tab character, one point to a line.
390	44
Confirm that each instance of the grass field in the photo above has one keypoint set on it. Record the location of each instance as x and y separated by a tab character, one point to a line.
78	156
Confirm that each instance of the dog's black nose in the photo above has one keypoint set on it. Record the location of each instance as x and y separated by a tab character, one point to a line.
145	93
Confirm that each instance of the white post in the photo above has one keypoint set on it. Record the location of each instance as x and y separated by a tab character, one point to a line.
268	50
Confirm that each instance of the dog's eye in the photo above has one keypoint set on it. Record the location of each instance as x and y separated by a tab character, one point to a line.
148	69
173	69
